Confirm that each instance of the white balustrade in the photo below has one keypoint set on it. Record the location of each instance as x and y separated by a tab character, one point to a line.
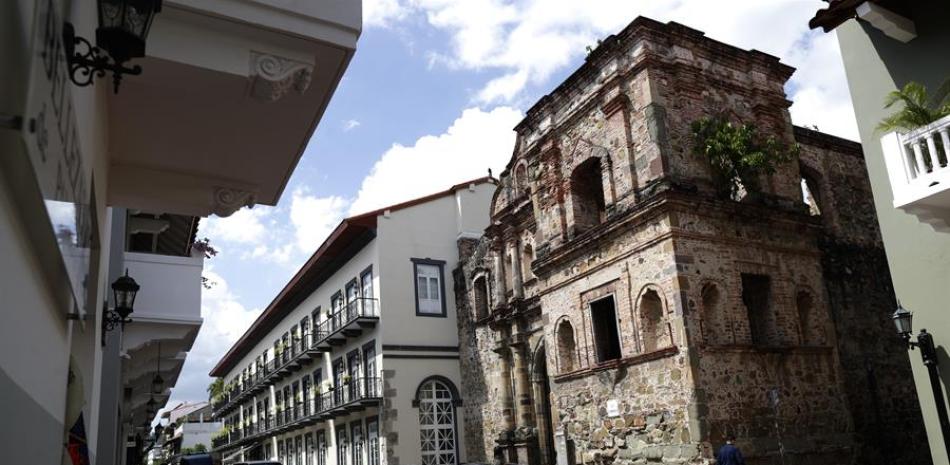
918	165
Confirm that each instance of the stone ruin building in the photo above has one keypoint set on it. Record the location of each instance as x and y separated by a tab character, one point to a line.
620	311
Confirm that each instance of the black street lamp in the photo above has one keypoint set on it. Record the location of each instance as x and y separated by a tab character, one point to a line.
123	27
124	291
903	320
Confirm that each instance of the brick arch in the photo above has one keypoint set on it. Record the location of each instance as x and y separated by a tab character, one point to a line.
651	311
815	184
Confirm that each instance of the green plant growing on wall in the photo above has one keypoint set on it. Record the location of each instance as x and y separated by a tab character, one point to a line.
918	109
738	154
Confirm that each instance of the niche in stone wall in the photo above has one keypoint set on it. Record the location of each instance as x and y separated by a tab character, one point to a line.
566	347
717	324
654	330
812	329
587	195
480	295
521	180
527	258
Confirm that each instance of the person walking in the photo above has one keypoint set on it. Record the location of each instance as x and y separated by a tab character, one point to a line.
729	454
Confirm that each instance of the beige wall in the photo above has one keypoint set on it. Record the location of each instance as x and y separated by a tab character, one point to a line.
408	375
428	230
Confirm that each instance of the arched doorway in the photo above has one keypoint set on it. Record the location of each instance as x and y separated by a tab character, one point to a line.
436	399
542	406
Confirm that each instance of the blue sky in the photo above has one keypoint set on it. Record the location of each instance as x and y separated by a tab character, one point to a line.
430	99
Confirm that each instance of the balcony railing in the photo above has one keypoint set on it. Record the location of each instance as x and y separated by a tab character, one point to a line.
345	322
918	165
350	397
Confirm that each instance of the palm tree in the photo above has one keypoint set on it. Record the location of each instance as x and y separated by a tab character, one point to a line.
215	389
918	109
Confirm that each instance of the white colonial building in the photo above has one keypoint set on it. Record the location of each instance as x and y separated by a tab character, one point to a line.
355	362
214	104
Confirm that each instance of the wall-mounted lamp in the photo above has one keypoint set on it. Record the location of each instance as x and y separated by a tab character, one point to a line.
903	321
123	27
124	290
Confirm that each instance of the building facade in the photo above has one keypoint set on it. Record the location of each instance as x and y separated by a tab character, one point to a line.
189	430
621	309
99	179
355	362
885	45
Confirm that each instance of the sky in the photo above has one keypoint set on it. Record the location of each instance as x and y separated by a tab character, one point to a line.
430	99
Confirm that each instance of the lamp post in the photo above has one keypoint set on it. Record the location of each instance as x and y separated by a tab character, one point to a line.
903	320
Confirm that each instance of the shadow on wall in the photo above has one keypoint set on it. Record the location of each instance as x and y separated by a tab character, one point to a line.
943	369
915	60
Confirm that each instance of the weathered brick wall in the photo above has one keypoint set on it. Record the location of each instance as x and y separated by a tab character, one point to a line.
874	364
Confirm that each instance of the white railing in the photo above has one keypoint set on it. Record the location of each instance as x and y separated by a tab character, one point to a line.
918	162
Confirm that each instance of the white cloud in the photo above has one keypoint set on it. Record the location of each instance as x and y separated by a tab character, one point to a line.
244	226
380	13
350	124
225	320
525	42
314	217
476	141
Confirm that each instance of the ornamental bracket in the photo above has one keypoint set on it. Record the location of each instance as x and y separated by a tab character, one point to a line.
272	76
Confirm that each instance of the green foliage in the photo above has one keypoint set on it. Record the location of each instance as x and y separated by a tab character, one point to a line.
738	154
216	389
917	110
223	432
196	449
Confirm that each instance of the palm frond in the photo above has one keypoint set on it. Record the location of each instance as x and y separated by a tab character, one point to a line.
941	97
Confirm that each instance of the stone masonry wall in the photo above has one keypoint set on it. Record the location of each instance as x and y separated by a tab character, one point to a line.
751	318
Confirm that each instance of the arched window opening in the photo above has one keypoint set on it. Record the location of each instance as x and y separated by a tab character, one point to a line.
811	194
480	289
526	258
717	326
566	347
587	195
808	321
655	332
436	402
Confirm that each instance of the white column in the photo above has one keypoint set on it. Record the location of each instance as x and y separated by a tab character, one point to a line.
932	148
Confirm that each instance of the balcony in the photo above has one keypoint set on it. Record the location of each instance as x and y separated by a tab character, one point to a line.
348	398
918	168
349	321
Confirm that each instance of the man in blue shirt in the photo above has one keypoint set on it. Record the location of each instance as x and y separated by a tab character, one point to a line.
729	454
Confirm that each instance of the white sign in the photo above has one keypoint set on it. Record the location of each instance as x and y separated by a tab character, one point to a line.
613	408
52	142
